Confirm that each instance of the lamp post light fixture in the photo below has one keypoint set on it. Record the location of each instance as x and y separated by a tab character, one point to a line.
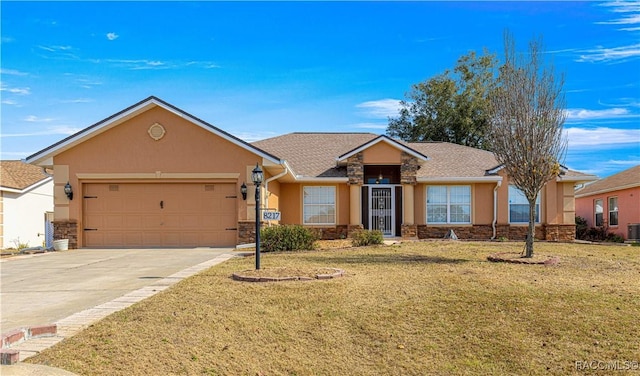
68	191
243	191
257	176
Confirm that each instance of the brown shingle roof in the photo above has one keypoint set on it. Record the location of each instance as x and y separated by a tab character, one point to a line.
314	154
19	175
625	179
447	160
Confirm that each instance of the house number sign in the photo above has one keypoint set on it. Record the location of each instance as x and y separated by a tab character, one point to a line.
271	215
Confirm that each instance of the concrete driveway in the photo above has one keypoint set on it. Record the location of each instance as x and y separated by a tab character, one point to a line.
42	289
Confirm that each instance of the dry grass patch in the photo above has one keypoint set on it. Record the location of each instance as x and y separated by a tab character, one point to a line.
414	309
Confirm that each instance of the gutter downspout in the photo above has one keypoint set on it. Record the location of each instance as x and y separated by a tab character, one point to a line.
266	183
495	208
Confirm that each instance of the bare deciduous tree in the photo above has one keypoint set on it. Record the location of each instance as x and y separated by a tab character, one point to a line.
527	115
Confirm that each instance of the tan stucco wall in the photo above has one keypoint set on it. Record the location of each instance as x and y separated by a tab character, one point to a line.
2	220
482	203
381	153
291	207
420	205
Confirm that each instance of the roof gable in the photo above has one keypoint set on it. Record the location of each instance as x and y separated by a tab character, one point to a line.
45	156
382	138
629	178
19	176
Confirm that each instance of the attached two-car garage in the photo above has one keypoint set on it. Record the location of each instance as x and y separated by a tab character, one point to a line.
159	215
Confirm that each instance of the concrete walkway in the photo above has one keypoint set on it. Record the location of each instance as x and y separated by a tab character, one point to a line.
130	262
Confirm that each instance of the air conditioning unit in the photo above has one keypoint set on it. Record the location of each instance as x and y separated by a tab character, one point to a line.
634	231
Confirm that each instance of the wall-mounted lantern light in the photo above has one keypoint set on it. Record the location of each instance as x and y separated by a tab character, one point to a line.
68	191
257	176
243	190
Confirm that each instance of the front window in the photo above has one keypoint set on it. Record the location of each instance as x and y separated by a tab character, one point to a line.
319	205
598	209
519	206
449	204
613	211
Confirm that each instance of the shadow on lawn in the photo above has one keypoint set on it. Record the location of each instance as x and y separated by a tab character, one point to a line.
385	259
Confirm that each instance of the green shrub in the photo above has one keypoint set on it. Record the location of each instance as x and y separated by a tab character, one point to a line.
581	228
366	237
286	238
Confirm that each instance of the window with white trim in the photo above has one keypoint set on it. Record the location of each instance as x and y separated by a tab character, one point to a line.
613	211
519	206
598	210
449	204
319	205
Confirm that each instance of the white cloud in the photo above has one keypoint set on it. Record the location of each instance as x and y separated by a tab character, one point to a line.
9	102
581	137
624	13
55	48
254	136
12	72
140	64
56	130
369	126
603	54
382	108
77	100
574	114
35	119
112	36
16	90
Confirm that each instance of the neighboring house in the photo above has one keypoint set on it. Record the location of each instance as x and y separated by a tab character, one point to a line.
613	202
153	175
26	195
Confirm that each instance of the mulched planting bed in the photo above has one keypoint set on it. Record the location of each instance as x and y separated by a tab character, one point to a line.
518	258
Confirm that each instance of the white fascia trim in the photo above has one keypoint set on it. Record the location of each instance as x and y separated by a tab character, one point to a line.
27	189
389	141
483	179
310	179
633	185
576	179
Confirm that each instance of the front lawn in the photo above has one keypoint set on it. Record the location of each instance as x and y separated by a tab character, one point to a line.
411	309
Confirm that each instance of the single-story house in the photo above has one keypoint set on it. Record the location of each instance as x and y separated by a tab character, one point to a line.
153	175
612	202
26	205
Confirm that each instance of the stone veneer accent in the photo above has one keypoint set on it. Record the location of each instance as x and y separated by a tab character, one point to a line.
246	232
66	230
408	168
484	232
409	231
331	233
355	169
560	232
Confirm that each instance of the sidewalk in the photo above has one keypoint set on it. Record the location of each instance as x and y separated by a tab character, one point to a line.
75	323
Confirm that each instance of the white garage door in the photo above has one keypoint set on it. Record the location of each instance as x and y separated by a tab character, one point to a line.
159	215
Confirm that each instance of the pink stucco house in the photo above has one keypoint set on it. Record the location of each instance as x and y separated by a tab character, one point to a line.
613	202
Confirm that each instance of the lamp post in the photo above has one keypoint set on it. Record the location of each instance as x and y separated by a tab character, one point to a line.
257	176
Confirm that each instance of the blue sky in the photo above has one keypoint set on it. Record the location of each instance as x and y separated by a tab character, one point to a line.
260	69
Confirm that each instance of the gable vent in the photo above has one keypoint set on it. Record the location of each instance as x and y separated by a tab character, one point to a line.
209	187
114	187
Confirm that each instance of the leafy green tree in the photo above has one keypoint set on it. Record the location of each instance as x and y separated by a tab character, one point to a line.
452	106
527	114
